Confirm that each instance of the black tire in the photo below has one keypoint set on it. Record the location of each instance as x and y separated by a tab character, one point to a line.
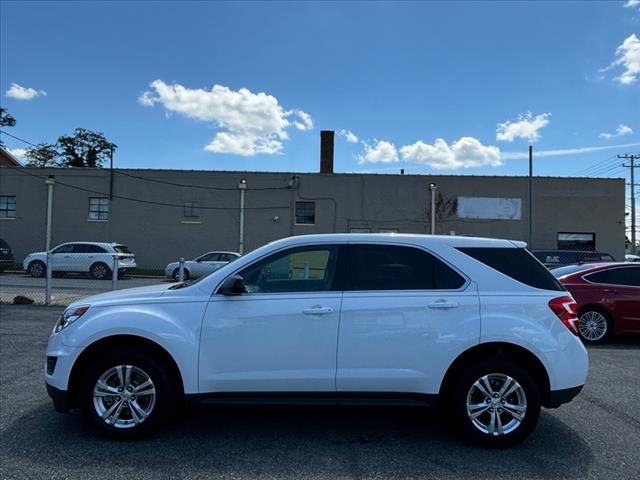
176	273
164	404
37	269
464	389
602	319
100	271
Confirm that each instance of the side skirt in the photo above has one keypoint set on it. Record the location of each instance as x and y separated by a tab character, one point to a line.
315	398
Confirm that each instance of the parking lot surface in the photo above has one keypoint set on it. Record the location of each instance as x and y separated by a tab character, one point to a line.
64	289
596	436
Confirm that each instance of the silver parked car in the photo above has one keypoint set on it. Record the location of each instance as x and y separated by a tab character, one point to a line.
200	266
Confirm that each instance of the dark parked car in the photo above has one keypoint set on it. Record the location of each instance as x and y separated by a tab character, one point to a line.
7	260
559	258
608	297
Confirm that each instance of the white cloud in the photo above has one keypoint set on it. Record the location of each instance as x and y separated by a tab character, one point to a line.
304	121
380	152
465	153
24	93
348	135
563	151
621	131
627	57
250	123
527	127
632	4
19	153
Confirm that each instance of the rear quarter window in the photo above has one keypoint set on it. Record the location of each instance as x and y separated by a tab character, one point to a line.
121	249
516	263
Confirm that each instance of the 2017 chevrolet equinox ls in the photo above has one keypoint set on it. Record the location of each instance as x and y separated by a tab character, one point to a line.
475	325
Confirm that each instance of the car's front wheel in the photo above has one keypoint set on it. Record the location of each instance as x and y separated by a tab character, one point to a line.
496	404
176	274
127	395
37	269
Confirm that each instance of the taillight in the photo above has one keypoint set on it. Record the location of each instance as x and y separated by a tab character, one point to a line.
566	309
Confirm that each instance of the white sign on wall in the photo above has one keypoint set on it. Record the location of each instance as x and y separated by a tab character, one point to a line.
490	208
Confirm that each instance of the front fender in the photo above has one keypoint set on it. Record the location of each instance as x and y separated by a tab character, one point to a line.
173	326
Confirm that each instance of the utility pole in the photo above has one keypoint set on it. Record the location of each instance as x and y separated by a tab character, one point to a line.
530	197
632	166
432	188
49	182
242	186
111	173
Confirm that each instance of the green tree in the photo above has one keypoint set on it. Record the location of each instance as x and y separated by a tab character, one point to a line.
6	120
84	149
43	155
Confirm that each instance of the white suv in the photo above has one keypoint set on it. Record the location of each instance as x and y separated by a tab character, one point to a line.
94	258
475	325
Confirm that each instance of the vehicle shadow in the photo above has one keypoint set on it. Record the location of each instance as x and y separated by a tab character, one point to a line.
292	442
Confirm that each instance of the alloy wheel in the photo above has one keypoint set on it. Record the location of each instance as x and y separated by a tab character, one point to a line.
124	396
496	404
593	326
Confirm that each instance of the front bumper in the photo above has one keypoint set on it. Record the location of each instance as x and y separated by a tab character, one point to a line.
60	399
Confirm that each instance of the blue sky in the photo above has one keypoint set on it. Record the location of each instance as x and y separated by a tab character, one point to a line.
399	76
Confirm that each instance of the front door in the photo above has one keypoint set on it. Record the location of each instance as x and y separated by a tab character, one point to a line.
62	258
405	317
280	336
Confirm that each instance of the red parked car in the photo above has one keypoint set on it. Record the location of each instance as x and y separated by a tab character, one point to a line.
608	297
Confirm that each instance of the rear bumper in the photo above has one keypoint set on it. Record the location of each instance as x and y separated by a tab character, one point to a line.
60	399
560	397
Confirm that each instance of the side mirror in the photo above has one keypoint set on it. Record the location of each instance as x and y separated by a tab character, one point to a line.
233	286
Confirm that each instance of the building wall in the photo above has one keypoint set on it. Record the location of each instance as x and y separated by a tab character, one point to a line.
157	231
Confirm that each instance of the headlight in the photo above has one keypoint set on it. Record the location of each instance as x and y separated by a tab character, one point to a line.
69	316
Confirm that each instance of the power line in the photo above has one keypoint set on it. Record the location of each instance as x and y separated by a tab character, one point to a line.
18	138
139	200
204	187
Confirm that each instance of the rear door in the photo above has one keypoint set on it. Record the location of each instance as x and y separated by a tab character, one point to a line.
621	288
405	316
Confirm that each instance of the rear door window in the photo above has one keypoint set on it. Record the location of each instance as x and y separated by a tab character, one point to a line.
392	267
516	263
87	248
627	276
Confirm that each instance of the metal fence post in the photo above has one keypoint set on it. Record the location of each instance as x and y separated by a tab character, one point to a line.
114	273
181	270
47	283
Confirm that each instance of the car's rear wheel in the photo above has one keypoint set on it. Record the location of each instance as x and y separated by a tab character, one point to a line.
100	271
496	404
594	327
176	274
37	269
127	395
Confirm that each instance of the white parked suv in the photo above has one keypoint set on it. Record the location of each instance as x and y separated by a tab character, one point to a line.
477	326
94	258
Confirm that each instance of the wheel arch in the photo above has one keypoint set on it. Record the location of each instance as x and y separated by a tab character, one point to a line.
125	341
499	350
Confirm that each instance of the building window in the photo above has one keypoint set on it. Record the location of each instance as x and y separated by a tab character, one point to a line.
305	213
576	241
359	230
7	206
191	209
98	208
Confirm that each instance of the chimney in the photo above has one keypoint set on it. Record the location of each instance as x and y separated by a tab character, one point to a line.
326	151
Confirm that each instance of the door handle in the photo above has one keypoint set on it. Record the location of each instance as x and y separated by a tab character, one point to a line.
317	310
67	256
610	290
443	304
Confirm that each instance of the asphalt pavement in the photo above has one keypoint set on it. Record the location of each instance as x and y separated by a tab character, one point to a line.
595	436
65	289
